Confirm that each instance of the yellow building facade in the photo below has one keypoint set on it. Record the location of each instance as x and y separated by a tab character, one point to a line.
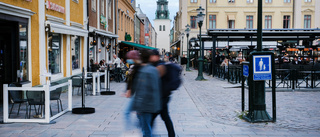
242	14
125	20
48	39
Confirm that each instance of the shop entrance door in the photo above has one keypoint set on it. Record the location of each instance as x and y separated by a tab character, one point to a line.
8	53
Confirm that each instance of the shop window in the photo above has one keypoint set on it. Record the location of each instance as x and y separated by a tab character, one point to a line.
23	52
54	50
75	52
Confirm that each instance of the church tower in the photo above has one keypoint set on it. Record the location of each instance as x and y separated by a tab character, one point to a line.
162	24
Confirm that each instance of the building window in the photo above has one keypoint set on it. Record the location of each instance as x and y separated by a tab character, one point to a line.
213	1
231	24
193	22
212	21
307	21
193	1
118	20
287	1
160	28
75	52
286	21
23	41
93	5
164	28
102	7
249	22
109	9
268	22
307	0
231	1
268	1
249	1
54	53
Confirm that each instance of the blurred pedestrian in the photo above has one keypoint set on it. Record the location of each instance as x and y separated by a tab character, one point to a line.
147	94
134	60
164	113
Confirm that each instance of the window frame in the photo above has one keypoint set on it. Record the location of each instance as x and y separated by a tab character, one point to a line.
212	20
250	1
74	47
193	19
25	65
287	1
193	1
59	37
268	1
286	21
94	5
308	19
232	25
249	22
268	22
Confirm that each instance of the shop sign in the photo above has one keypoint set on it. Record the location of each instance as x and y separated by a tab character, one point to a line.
55	7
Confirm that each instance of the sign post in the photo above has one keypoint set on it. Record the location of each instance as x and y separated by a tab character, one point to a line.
261	68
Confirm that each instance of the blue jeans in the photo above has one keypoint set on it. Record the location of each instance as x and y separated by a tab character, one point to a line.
127	114
145	123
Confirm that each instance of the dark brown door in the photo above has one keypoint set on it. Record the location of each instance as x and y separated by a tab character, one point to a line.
8	53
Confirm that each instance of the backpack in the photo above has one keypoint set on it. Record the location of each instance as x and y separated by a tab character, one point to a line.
172	79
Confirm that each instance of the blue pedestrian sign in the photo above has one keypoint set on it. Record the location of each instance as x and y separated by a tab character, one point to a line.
262	67
245	70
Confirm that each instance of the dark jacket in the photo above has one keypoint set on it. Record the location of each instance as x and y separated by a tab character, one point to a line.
146	86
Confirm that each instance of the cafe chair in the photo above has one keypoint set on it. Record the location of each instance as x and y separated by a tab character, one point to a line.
16	97
35	98
55	95
76	83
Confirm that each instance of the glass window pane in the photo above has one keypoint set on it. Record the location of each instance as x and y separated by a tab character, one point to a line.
23	53
75	52
54	53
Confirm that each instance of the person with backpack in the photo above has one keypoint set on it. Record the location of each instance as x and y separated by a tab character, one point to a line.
168	84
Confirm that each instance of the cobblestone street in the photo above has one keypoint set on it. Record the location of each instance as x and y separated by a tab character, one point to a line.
198	109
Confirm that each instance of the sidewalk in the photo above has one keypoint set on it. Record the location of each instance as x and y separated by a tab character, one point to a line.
198	109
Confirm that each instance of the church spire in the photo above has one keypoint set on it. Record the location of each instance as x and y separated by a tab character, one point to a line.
162	11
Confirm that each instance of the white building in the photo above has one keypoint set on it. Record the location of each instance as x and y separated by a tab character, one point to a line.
162	25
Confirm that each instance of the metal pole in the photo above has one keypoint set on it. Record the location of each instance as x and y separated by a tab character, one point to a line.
188	58
259	29
200	60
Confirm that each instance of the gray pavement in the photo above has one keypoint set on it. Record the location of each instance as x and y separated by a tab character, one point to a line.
198	109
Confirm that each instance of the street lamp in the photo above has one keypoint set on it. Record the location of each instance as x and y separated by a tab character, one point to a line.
200	18
188	54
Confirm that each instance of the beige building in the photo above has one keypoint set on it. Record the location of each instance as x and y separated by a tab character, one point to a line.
242	14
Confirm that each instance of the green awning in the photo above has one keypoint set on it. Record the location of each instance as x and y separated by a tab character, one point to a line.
136	45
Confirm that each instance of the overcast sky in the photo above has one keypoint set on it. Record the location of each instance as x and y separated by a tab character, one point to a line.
149	7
